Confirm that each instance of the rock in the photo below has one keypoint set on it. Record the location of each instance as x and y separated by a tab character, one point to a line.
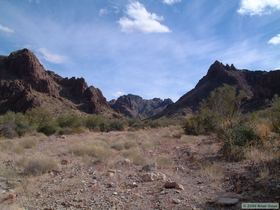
176	201
149	167
161	176
110	185
64	162
173	185
115	193
224	201
10	197
149	177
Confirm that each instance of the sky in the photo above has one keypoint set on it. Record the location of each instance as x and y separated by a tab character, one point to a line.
152	48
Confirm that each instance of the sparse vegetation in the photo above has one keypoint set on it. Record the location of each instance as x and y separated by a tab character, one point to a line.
38	165
220	114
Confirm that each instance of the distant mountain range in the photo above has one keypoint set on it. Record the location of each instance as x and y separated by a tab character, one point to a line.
136	107
25	84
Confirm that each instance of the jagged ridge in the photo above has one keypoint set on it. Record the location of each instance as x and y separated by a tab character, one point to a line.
136	107
259	86
25	84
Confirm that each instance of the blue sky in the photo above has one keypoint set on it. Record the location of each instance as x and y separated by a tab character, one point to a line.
153	48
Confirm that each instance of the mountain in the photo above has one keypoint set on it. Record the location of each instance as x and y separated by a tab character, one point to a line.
259	86
25	84
136	107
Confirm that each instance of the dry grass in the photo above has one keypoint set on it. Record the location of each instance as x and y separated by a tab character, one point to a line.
38	165
258	155
164	161
212	171
263	129
99	150
135	156
28	143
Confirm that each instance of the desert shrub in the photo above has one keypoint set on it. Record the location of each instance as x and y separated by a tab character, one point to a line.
28	143
48	128
93	122
136	124
199	124
275	114
116	125
38	166
221	110
236	140
69	121
69	131
38	116
8	130
97	150
14	124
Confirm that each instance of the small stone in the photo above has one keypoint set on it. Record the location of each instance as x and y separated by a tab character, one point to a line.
161	176
64	162
115	193
110	185
224	201
149	177
176	201
173	185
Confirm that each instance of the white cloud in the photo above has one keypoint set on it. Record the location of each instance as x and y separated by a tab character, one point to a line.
170	2
103	12
51	57
119	93
6	29
139	19
258	7
275	40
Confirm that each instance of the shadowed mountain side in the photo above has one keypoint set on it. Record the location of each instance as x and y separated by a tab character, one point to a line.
25	84
259	86
136	107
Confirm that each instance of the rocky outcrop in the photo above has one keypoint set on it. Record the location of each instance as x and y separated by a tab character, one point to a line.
136	107
259	86
25	84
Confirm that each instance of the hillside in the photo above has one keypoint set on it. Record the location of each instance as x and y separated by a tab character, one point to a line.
259	86
25	84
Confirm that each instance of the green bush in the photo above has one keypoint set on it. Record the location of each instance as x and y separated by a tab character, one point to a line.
116	125
93	122
275	114
49	128
236	140
14	124
38	117
69	120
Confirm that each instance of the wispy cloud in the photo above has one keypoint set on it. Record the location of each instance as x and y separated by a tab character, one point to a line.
275	40
258	7
119	93
139	19
103	12
170	2
6	29
51	57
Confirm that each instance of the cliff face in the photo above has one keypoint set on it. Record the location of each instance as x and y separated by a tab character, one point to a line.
259	86
25	84
136	107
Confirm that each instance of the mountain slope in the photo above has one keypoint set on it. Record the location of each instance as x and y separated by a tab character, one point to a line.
25	84
259	86
136	107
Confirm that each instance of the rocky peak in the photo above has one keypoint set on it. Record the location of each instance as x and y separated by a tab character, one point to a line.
136	107
24	84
